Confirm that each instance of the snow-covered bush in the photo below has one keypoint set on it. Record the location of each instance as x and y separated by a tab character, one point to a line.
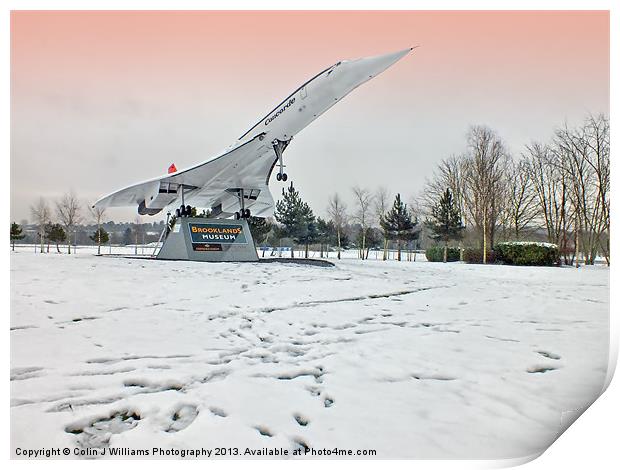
527	253
435	253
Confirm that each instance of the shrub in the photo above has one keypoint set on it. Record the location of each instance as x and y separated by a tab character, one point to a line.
474	256
435	253
527	253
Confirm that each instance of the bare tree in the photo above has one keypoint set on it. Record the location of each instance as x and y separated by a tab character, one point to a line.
571	180
41	215
337	211
563	186
573	170
381	206
549	184
583	154
596	131
448	175
68	213
521	205
97	213
363	200
477	181
484	173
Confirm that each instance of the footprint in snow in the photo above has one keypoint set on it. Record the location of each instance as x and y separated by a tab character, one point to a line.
218	412
97	432
182	418
549	355
301	420
263	431
300	444
540	369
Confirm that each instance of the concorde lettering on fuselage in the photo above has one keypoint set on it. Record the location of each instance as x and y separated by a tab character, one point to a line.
280	111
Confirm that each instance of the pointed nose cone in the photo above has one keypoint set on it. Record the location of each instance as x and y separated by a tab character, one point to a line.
377	64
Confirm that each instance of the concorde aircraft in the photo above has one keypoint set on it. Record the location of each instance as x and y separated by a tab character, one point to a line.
236	182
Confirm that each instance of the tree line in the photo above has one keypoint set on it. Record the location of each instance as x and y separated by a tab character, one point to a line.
372	224
557	191
560	188
375	221
55	225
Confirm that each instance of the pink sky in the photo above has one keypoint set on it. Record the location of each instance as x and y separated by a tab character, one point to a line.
102	99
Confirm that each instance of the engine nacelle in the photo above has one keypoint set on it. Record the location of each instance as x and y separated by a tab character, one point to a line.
143	210
160	195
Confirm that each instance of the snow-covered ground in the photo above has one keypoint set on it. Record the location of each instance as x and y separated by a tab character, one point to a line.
413	360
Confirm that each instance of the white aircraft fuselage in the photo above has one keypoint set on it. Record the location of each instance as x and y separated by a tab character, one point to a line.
239	177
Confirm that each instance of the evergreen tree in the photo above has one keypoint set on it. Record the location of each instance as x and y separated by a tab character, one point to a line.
260	229
307	232
297	219
100	236
326	234
16	234
287	212
55	233
412	236
445	222
397	224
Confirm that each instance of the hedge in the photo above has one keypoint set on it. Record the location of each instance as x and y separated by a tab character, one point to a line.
527	253
474	256
435	254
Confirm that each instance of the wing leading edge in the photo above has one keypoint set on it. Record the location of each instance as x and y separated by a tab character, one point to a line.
249	163
207	184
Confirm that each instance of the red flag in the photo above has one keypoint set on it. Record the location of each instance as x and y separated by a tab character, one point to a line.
172	169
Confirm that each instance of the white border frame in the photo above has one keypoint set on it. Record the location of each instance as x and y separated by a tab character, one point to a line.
590	441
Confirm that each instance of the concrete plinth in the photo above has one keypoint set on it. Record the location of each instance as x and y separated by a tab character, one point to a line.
215	240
